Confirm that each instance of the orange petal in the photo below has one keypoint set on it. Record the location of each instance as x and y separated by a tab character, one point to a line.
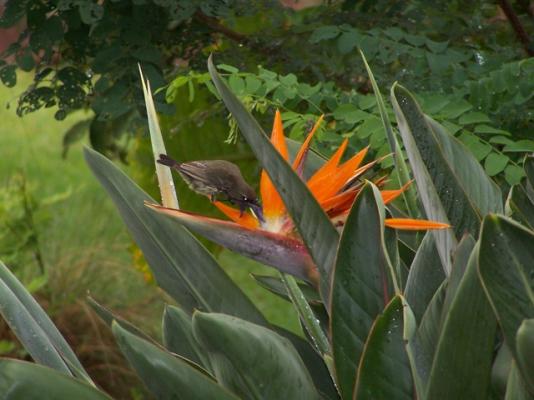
414	224
349	183
340	203
245	220
273	206
389	195
343	179
330	166
277	136
381	181
329	186
298	163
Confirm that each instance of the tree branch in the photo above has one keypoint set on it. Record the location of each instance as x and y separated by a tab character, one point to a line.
216	26
520	31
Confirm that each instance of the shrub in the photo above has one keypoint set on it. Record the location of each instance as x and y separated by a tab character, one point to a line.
389	317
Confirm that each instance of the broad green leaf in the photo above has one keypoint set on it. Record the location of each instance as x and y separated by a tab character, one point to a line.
178	336
516	388
525	351
166	376
165	181
398	157
107	316
452	185
425	276
495	163
460	262
324	32
27	381
521	206
513	174
181	265
413	128
506	269
35	330
410	341
462	364
315	228
501	369
529	169
252	361
384	371
520	146
281	252
424	343
362	284
473	118
276	286
483	193
315	364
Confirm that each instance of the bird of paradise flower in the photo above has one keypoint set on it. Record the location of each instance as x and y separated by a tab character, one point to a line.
275	241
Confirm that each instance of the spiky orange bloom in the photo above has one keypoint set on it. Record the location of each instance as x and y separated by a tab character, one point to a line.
335	186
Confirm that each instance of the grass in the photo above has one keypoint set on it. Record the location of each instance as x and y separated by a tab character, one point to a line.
84	243
80	234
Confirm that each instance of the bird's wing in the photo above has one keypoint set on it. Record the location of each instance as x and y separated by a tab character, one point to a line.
194	170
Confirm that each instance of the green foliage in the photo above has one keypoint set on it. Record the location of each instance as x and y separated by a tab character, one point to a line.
357	116
463	61
362	244
228	350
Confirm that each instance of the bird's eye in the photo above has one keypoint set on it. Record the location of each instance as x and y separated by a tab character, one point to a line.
245	198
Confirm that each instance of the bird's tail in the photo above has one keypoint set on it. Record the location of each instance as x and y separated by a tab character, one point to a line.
164	159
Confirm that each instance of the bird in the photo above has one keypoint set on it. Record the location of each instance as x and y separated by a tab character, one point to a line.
217	179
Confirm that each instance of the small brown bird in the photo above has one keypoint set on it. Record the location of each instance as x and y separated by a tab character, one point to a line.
215	178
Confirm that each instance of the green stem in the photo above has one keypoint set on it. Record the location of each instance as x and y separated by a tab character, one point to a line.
308	318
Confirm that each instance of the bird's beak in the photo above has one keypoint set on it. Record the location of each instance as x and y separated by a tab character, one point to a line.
257	209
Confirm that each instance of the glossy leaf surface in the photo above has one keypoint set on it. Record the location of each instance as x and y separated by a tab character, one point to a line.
425	276
252	361
178	336
26	381
166	376
34	328
507	269
362	284
384	371
462	364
